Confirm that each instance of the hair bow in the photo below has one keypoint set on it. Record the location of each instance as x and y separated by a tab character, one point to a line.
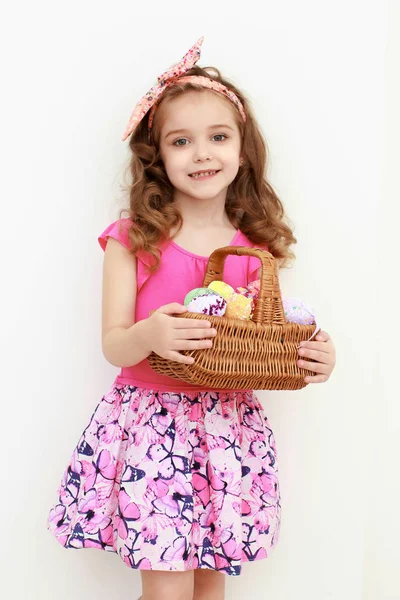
151	97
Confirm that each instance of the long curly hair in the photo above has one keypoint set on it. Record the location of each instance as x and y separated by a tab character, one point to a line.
251	203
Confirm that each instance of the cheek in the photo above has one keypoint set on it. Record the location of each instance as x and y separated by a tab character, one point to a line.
232	158
231	153
175	162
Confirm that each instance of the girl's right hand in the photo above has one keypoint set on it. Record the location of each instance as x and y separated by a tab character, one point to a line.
168	335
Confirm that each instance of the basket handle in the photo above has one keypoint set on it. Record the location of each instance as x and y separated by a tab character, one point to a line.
269	307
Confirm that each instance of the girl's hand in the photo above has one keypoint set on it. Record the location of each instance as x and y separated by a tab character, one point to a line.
167	335
323	352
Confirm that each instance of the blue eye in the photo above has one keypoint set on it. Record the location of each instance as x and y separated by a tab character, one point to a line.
218	137
180	140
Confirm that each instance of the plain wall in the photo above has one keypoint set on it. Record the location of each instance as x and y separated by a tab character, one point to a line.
382	552
314	73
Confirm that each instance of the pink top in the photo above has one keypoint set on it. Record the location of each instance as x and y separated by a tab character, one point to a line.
180	271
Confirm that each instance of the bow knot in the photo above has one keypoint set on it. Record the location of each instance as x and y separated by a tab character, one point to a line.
150	98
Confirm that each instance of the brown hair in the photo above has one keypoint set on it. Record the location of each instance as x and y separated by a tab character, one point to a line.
251	203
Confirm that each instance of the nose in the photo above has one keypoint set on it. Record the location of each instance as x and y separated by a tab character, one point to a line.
202	153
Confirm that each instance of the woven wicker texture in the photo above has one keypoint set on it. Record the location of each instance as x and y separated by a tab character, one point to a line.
258	354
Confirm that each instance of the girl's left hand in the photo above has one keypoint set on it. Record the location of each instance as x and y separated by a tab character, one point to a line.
323	352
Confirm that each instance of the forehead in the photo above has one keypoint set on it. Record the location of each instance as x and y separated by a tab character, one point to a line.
197	110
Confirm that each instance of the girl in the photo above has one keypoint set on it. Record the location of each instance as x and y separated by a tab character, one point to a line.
179	480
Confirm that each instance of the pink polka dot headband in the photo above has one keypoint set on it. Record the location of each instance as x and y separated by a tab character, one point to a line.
150	99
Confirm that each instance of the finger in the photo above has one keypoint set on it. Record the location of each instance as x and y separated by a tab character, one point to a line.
193	323
180	358
192	344
194	334
322	336
170	309
325	347
316	378
317	355
315	367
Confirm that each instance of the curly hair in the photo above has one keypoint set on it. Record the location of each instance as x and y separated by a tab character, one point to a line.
251	203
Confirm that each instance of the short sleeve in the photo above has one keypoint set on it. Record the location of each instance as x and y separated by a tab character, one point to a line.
117	230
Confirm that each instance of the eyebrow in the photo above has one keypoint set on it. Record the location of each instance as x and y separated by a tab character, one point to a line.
176	131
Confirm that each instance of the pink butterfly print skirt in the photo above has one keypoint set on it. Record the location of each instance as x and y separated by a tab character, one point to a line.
172	481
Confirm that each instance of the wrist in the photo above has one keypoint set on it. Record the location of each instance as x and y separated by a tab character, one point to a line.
141	332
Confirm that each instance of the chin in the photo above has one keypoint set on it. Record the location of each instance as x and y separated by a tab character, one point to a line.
204	191
206	194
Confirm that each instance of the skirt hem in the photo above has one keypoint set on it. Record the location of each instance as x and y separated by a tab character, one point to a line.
233	570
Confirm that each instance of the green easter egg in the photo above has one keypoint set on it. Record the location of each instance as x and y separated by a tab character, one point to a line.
197	292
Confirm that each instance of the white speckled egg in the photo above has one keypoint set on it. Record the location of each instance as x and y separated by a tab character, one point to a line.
213	305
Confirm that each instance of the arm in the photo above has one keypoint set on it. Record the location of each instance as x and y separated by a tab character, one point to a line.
126	343
123	340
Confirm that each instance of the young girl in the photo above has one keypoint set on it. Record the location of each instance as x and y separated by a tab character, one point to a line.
181	481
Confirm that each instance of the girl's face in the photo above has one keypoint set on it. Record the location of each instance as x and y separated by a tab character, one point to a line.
199	133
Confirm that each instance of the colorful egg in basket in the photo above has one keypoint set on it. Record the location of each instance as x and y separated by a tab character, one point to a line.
257	354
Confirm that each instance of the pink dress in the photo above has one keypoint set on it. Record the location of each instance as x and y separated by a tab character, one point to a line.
168	475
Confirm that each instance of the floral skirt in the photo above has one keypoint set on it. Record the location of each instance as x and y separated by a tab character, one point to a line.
172	481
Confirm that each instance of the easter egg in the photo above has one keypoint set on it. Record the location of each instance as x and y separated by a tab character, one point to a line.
297	311
222	288
212	305
203	291
254	288
239	307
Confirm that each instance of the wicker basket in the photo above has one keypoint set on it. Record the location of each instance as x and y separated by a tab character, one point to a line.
258	354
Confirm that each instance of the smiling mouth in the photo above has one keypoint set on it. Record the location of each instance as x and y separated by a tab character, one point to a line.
203	174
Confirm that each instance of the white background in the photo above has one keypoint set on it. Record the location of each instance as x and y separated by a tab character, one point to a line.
323	81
